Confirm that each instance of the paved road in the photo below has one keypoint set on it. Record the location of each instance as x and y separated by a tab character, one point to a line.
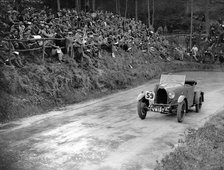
103	134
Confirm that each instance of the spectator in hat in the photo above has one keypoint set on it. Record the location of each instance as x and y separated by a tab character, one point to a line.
12	18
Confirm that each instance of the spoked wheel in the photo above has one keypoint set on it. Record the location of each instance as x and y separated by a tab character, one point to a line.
181	111
142	109
198	106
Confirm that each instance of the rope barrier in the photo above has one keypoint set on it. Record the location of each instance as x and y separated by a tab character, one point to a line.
39	48
33	39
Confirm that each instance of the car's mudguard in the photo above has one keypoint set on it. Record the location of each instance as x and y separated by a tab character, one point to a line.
140	96
181	98
197	97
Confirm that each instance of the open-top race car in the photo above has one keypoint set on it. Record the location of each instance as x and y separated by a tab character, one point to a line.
173	94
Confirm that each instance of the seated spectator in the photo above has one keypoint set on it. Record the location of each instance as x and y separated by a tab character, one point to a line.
88	32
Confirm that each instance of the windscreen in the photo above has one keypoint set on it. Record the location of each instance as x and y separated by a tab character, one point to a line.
171	78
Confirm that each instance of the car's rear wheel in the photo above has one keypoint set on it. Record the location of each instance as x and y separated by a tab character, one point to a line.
142	109
198	105
181	111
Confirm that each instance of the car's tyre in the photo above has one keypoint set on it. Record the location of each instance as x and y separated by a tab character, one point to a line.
181	111
198	105
142	109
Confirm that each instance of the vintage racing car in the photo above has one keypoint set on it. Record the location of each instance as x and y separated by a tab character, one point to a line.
173	94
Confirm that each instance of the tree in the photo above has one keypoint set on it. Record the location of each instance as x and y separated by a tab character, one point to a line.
58	5
191	28
149	16
93	5
87	5
118	6
77	5
136	10
153	12
126	8
207	17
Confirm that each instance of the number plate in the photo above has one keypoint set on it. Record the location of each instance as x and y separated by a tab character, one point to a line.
160	109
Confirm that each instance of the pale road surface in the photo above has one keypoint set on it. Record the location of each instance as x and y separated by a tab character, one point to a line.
103	134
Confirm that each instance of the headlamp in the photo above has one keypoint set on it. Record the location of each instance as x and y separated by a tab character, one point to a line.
171	95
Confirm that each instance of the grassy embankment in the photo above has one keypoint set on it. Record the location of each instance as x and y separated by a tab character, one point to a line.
202	148
40	86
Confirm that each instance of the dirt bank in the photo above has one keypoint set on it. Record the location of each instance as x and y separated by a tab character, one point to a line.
39	86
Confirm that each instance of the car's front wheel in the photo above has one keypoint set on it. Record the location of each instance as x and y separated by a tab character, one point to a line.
142	109
181	111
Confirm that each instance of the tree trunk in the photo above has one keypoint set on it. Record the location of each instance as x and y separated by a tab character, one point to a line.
153	13
191	31
118	7
116	4
94	5
136	10
58	5
207	17
149	16
87	7
126	8
188	7
77	5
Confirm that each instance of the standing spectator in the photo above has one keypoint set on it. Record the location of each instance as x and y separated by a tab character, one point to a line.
165	30
194	52
160	30
12	17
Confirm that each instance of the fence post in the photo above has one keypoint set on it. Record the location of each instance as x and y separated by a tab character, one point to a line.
10	51
148	47
43	50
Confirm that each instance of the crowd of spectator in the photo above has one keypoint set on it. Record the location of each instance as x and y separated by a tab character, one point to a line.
212	47
216	33
84	32
208	48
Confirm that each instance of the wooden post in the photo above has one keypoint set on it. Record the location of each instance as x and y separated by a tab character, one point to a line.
43	50
10	52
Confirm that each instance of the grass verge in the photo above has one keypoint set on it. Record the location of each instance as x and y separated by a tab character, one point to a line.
202	148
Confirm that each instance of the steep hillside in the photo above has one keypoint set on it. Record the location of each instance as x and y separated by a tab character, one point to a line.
40	86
